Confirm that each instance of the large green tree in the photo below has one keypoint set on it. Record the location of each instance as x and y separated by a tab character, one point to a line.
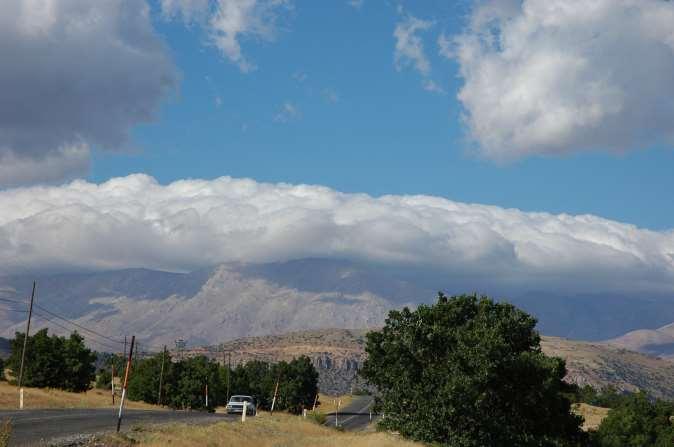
53	361
469	371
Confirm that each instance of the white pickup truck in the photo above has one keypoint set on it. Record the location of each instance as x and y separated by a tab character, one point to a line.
235	405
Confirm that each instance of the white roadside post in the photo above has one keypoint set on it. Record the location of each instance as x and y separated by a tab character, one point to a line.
304	413
339	404
245	410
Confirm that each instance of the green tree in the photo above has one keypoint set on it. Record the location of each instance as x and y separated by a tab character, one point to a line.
637	422
43	360
187	382
298	384
78	364
468	371
144	379
255	378
53	361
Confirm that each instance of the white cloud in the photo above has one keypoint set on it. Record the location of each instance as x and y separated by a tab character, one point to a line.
567	75
409	48
76	74
134	221
431	86
227	22
288	112
189	10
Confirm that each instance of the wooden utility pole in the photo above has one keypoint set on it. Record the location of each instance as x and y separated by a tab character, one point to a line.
25	343
161	375
126	383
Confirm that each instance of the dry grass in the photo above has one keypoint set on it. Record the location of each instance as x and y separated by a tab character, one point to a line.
279	430
5	432
51	398
592	415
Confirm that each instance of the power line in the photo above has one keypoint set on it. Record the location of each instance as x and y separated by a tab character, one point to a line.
107	345
79	325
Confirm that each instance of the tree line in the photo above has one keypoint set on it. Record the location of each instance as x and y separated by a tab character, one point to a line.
184	382
54	361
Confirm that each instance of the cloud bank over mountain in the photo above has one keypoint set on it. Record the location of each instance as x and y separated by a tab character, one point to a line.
557	76
136	222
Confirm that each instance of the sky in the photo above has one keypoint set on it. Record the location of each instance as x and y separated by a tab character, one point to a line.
547	126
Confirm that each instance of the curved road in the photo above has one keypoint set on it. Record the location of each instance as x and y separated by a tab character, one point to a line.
31	427
355	416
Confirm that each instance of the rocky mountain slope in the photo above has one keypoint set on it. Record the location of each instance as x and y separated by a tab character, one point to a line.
338	353
237	300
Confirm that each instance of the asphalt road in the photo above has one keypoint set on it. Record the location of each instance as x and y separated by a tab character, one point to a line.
35	427
355	416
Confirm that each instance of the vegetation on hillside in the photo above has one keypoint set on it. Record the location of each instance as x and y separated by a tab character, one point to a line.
637	421
468	371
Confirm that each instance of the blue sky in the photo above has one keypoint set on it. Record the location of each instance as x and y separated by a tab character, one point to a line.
381	133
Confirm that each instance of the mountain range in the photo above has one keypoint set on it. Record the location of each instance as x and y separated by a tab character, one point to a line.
233	300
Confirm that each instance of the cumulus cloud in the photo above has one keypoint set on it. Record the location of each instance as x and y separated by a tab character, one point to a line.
77	74
134	221
227	22
556	76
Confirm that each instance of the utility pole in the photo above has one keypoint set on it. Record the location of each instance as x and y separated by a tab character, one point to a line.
273	401
112	381
161	375
229	371
25	342
126	383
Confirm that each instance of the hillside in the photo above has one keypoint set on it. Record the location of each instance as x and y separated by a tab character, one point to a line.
338	353
658	342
